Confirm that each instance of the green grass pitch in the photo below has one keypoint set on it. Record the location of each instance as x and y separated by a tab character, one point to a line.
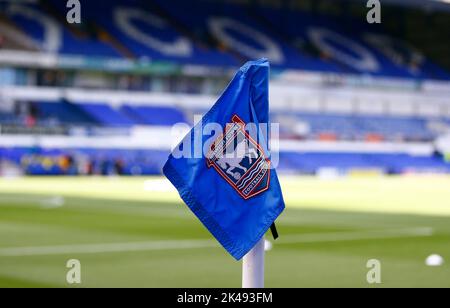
135	232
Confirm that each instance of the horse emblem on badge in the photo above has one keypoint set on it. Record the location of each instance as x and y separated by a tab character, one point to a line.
240	160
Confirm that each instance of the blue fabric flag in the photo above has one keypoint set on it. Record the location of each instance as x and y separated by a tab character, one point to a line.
236	197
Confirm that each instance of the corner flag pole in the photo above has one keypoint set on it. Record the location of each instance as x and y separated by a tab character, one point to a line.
253	267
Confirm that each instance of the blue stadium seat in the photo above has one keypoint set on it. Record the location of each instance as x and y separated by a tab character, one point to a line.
391	163
160	41
150	162
7	118
155	115
199	20
63	113
161	30
106	115
75	44
356	127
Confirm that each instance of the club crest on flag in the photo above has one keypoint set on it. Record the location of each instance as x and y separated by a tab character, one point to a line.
230	183
240	160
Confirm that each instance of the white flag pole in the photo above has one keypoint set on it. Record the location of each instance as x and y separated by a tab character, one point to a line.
253	267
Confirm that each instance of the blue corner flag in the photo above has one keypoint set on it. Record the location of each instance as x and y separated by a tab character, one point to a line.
229	183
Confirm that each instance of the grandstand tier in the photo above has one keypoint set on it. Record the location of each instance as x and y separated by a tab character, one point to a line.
218	34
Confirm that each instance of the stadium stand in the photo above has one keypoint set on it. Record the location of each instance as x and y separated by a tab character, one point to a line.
63	113
7	118
360	126
105	115
310	163
220	34
153	115
139	31
343	127
139	45
50	35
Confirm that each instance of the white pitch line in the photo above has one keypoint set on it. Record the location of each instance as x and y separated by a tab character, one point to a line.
106	248
355	236
54	203
199	244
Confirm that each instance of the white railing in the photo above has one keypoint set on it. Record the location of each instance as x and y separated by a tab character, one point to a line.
300	98
162	138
